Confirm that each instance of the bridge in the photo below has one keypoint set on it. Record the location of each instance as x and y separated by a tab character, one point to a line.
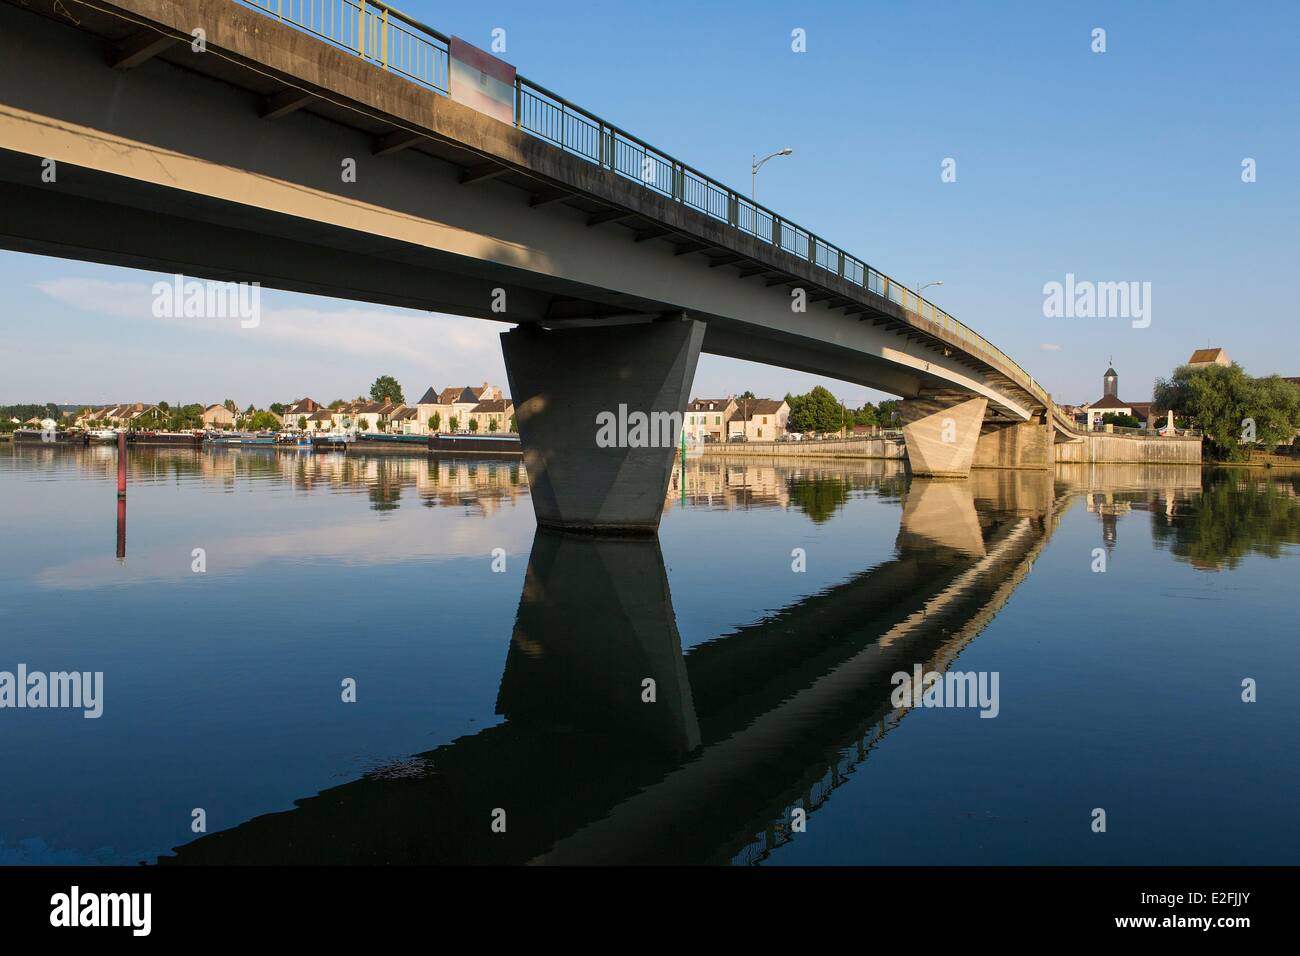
323	147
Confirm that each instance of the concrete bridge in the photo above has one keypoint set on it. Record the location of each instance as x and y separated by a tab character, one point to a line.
745	727
316	148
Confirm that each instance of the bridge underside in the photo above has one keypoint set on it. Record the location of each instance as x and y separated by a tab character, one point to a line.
181	162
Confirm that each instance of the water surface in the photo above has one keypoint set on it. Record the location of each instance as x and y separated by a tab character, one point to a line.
498	668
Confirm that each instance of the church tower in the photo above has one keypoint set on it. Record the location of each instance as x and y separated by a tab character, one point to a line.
1110	383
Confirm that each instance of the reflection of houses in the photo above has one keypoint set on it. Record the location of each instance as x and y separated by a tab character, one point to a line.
707	418
759	419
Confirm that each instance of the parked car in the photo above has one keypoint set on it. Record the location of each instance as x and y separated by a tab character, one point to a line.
738	438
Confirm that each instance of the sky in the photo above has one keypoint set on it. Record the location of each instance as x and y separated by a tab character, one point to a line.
1118	166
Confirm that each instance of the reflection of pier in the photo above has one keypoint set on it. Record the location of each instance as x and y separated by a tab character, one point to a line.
742	727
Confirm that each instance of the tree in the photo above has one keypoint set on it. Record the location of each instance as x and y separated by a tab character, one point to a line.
473	425
745	396
335	405
277	407
435	421
454	423
1232	409
386	389
887	413
263	421
230	406
513	427
492	425
302	422
1120	420
816	411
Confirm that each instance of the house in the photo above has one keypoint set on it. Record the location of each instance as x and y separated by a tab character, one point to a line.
218	416
491	415
372	416
405	420
706	419
1202	357
759	419
459	403
302	408
1110	403
320	420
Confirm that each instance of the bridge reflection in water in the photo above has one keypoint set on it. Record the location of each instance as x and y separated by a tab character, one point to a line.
743	729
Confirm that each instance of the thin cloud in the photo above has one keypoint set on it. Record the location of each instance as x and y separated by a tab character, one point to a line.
1049	347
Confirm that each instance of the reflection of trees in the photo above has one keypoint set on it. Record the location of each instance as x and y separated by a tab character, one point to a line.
820	497
1231	518
385	491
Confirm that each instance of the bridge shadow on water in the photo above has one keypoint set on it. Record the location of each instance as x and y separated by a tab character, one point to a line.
742	728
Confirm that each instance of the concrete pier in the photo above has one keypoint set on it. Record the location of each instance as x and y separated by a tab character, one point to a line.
942	435
565	383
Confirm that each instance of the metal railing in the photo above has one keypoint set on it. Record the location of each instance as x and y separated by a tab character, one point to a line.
394	41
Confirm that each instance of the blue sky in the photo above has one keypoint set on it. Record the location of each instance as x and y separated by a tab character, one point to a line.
1118	166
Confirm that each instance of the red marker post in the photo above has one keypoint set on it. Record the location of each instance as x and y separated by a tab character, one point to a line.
121	464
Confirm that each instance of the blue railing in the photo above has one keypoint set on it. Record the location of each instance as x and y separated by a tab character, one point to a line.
394	41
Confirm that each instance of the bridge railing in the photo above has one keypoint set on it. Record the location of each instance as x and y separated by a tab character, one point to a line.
380	33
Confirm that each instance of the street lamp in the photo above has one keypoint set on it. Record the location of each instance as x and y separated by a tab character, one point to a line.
758	164
927	285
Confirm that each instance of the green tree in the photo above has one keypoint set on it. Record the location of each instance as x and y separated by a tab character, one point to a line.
1120	420
1229	406
815	411
230	406
435	421
514	428
473	425
302	422
335	405
454	423
386	389
745	395
263	421
887	414
492	425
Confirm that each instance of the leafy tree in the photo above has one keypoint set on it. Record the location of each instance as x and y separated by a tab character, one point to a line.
230	406
815	411
513	427
887	414
492	425
302	422
1224	402
473	425
386	389
454	423
335	405
277	407
744	396
1119	419
435	421
263	421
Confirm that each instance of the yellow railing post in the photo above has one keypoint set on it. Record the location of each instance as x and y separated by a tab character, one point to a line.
385	44
361	29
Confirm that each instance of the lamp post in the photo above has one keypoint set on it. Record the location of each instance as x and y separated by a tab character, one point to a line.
927	285
758	164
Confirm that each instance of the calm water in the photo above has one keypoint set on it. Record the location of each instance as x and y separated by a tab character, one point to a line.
522	689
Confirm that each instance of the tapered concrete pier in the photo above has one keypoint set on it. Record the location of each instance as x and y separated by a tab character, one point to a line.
568	386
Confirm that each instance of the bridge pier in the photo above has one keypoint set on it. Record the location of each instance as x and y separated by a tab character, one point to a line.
1015	445
599	413
941	435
